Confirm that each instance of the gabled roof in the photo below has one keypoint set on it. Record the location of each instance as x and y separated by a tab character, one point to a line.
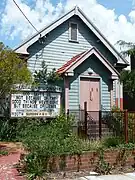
22	49
80	58
70	62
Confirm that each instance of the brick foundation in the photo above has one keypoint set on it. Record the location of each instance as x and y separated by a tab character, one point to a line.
89	160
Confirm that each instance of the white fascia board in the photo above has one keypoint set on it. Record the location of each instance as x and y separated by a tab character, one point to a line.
23	48
87	55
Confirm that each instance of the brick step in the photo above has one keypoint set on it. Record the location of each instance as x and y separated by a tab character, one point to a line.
96	128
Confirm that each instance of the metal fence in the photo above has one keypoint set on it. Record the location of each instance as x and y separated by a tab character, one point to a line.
100	124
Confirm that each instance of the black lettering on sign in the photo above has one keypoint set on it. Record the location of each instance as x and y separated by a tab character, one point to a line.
17	106
19	97
16	101
14	105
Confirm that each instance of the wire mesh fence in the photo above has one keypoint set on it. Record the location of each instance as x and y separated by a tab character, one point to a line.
100	124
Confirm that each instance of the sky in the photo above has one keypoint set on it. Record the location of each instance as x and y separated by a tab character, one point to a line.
114	18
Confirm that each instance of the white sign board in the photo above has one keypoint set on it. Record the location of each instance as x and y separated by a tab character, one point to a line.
35	104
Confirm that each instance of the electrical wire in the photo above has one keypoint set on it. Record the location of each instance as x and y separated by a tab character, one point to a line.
26	17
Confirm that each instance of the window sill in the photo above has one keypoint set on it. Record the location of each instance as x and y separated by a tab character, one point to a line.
73	41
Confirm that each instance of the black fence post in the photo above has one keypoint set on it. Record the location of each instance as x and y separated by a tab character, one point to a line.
85	117
100	124
67	112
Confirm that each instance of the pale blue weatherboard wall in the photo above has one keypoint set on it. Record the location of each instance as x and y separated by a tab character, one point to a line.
98	68
74	92
57	50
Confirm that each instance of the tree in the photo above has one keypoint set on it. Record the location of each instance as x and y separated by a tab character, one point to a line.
129	47
47	78
13	70
128	77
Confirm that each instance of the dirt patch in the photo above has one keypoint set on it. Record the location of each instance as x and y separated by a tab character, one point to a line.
75	175
67	175
11	147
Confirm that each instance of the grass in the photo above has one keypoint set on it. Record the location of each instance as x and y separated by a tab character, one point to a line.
3	153
88	145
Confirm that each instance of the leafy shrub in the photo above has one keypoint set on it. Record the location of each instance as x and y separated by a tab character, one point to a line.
131	127
17	129
88	145
33	165
3	152
56	138
102	167
112	142
7	129
126	146
47	141
25	125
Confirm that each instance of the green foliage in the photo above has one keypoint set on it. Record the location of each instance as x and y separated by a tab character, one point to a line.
44	77
88	145
17	129
13	70
102	166
114	120
131	127
47	141
126	146
7	129
128	79
34	166
56	138
112	142
128	45
3	153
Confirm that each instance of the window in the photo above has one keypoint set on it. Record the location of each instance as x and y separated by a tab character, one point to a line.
73	32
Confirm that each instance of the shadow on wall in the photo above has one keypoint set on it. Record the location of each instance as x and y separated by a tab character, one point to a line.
94	63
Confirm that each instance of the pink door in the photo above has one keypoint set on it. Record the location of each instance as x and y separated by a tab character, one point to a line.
89	92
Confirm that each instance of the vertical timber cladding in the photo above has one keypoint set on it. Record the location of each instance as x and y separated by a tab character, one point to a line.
38	103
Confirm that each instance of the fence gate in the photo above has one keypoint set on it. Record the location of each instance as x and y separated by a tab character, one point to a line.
100	124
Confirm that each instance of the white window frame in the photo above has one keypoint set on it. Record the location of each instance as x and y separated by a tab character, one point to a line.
70	31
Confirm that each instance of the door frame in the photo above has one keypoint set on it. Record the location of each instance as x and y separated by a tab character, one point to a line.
100	86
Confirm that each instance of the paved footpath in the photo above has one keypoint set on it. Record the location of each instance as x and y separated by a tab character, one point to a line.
7	169
128	176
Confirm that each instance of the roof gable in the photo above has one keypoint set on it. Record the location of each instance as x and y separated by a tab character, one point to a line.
70	62
80	58
22	49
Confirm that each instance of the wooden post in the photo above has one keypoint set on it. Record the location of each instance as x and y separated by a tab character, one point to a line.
85	117
100	124
126	126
